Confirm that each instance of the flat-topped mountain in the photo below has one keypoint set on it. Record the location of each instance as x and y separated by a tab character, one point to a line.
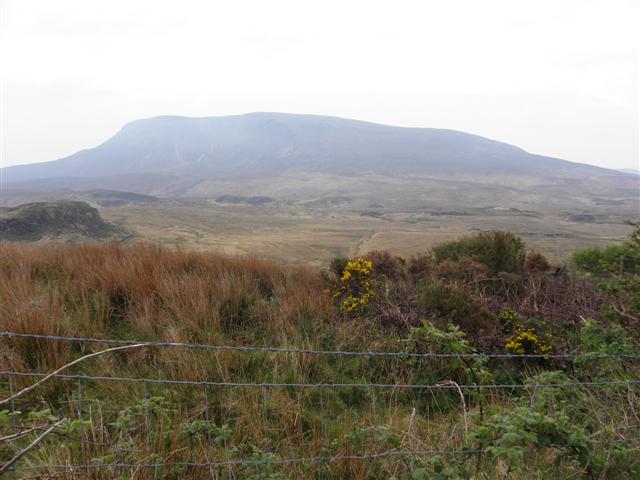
321	162
274	143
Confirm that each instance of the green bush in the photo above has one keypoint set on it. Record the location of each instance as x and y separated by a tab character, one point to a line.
446	302
559	421
612	259
597	340
452	341
499	251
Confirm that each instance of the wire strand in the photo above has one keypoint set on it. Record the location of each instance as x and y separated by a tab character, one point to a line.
200	346
437	386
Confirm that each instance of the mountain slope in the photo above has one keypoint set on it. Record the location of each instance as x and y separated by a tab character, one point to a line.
275	143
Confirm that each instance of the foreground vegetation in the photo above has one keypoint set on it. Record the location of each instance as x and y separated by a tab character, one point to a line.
482	294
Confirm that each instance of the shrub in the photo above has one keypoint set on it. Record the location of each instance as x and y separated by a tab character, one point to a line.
451	303
559	300
386	264
634	236
420	265
526	341
612	259
560	420
355	287
499	251
508	436
624	292
431	339
598	341
536	262
338	264
466	269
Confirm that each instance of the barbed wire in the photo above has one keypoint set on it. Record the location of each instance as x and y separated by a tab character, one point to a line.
200	346
271	459
437	386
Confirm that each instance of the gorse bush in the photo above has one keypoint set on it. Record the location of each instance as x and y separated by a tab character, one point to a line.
355	286
526	341
450	285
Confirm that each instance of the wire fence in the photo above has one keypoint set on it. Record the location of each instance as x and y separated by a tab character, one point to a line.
436	386
336	353
83	464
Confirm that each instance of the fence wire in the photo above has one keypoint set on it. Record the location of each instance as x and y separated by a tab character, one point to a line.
435	386
335	353
272	459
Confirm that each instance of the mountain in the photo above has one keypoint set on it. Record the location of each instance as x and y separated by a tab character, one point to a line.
320	162
54	220
275	143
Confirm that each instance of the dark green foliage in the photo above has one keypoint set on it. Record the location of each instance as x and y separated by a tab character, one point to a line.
338	265
612	259
634	236
559	420
34	221
465	370
499	251
598	340
625	290
447	302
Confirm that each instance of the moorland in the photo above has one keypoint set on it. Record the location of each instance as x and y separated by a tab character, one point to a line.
503	364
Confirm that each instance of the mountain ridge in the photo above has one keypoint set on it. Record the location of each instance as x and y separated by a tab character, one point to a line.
268	143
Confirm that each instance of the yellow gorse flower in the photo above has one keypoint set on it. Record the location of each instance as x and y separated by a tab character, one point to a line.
355	288
525	341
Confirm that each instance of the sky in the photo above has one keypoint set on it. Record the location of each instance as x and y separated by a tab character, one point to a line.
557	78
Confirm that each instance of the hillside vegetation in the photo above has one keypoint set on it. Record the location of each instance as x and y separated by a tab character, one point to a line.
569	410
68	220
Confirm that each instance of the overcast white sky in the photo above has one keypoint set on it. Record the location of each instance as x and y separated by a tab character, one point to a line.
556	77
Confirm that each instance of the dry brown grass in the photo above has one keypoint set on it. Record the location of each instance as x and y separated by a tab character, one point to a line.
146	292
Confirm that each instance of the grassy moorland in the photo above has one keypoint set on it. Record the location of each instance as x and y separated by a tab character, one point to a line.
484	294
291	233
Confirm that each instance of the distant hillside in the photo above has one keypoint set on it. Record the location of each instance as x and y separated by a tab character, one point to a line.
115	198
318	162
65	220
274	143
238	200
